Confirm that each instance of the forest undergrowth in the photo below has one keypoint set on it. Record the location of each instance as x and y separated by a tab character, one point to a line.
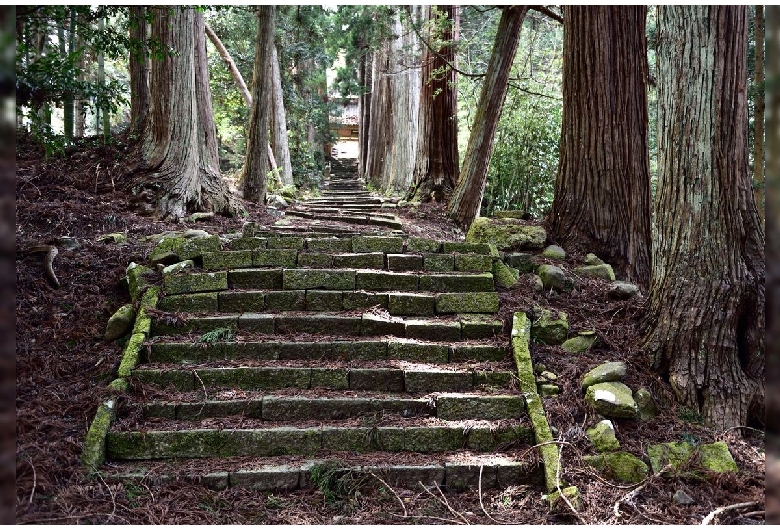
63	367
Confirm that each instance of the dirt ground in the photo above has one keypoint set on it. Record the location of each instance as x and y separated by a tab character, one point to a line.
63	366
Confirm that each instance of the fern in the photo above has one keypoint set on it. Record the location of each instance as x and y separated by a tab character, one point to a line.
218	335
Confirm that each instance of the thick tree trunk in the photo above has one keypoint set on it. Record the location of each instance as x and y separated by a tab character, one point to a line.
178	156
256	163
602	191
380	123
467	197
758	118
704	326
436	166
67	103
139	72
364	105
281	148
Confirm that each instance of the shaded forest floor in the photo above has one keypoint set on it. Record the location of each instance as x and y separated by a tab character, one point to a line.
63	367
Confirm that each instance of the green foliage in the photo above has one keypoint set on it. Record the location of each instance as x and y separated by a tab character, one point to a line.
339	485
217	335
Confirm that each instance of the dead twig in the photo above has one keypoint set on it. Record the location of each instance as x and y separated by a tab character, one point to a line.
35	480
481	504
714	513
403	506
628	497
445	503
48	261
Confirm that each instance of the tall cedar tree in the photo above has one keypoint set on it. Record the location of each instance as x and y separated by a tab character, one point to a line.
256	163
704	326
139	71
178	150
436	166
467	197
602	191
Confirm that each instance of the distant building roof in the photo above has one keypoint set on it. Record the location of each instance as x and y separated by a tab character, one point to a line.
348	111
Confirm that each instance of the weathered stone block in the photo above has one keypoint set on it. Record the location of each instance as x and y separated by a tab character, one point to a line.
285	300
466	248
404	262
582	342
181	380
553	278
621	466
492	380
375	325
373	260
323	300
473	262
438	381
378	379
388	245
267	478
192	248
256	322
330	279
248	243
227	260
478	352
315	260
408	304
219	409
238	301
480	328
417	244
548	329
318	323
506	234
359	350
433	439
251	378
255	279
330	378
612	400
194	283
329	244
466	477
363	300
289	242
605	373
453	408
400	475
602	436
190	303
475	302
385	281
198	325
415	351
604	272
554	252
433	330
390	439
120	323
347	439
521	261
303	350
275	258
439	262
457	283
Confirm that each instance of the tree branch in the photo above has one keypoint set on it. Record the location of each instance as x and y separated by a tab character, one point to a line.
547	11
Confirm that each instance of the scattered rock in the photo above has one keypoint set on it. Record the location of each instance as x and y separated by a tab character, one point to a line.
116	238
120	323
201	216
548	390
556	503
602	436
592	259
680	497
582	342
622	466
549	330
539	368
176	267
277	201
506	234
165	258
538	284
503	275
604	373
548	376
510	214
554	252
553	277
520	261
622	291
714	457
611	400
195	234
646	406
597	271
68	243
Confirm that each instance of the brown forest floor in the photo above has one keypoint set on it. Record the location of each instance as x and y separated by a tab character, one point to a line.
63	366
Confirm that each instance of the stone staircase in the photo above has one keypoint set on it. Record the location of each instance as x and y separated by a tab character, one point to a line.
346	200
279	357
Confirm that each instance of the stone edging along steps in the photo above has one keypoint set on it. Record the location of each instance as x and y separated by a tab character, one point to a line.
370	354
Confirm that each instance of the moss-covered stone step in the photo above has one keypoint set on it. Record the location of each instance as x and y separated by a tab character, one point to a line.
261	378
338	350
321	323
275	441
457	471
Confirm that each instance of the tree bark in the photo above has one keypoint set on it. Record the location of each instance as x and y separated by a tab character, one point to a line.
139	72
704	327
256	163
602	191
758	118
364	105
467	197
281	148
436	165
239	80
177	155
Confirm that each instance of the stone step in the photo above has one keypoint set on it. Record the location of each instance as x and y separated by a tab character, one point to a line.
366	325
293	440
456	470
352	219
404	377
295	408
340	211
324	350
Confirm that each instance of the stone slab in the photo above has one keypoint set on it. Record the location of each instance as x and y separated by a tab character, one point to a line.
195	282
482	302
190	303
371	260
329	279
274	258
241	301
411	304
235	259
255	279
385	281
404	262
433	330
285	300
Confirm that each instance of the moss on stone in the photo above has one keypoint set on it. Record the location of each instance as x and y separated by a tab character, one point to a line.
438	262
612	400
467	303
716	457
131	354
602	436
521	338
622	466
329	244
506	234
416	244
554	252
120	323
549	330
571	493
94	454
473	262
136	282
190	303
504	276
227	259
119	385
194	283
388	245
582	342
603	271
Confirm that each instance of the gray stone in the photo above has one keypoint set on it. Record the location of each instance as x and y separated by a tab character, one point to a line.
68	243
680	497
548	390
201	216
603	373
176	267
277	202
592	259
611	400
538	284
116	238
554	252
553	277
597	271
622	291
646	406
549	330
582	342
506	234
622	466
120	323
520	261
602	436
